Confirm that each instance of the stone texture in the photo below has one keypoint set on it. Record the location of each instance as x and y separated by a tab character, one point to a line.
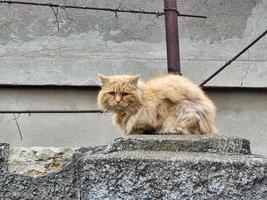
143	173
176	143
4	152
165	175
54	186
36	161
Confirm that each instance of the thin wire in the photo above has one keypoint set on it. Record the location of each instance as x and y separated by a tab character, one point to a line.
83	7
116	10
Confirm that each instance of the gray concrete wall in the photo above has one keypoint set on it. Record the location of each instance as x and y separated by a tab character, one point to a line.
240	113
34	52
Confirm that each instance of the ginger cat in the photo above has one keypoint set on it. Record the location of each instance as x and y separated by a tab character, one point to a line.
169	104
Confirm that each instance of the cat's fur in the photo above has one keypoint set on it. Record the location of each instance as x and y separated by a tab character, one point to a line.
169	104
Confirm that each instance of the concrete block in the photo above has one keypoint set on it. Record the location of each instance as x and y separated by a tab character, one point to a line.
142	173
189	143
168	175
57	186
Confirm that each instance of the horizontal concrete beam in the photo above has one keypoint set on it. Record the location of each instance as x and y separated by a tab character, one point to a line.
73	72
49	71
48	98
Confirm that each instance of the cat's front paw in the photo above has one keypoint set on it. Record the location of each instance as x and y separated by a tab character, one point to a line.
137	132
173	131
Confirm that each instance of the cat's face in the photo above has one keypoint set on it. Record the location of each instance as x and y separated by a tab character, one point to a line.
119	93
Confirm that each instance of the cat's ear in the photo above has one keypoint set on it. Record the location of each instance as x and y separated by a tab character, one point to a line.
104	79
134	79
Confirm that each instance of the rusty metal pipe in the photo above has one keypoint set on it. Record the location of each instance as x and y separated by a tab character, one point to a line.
172	38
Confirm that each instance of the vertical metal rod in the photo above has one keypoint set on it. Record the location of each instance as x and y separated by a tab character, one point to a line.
172	38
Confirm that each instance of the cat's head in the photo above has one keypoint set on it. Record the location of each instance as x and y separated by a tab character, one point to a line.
119	93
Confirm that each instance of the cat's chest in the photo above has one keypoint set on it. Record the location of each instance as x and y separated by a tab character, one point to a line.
142	118
132	122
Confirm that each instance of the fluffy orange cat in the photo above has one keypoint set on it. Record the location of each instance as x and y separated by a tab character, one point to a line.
169	104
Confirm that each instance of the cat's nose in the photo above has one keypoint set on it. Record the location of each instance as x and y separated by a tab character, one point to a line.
118	99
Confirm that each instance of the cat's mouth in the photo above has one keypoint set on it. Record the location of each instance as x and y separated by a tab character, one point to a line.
123	108
117	108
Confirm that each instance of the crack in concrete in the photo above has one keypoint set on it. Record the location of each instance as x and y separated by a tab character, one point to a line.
246	72
244	76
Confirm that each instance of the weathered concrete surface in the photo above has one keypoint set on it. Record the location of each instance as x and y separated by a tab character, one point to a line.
95	173
34	52
4	149
160	175
55	186
37	161
188	143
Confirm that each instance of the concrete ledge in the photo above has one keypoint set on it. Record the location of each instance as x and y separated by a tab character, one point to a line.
138	172
188	143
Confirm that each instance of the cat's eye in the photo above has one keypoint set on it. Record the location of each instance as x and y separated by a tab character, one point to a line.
112	93
124	94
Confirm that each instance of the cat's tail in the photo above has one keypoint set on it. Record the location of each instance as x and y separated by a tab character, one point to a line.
189	117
